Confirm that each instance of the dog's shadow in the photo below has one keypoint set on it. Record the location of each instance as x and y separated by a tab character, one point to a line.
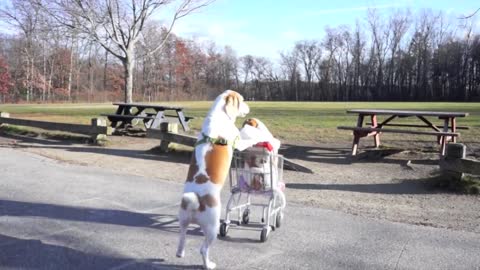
43	255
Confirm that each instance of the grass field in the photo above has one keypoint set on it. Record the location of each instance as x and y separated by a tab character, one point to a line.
307	122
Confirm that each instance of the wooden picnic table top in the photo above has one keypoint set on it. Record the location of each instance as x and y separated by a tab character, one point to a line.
407	113
146	105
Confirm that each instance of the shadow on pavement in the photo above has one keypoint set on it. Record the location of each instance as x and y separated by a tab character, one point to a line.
17	253
31	142
341	155
20	253
406	186
92	215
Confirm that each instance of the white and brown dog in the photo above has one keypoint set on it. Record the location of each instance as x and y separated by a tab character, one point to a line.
256	130
209	166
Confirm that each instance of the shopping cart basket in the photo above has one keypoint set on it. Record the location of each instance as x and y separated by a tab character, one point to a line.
256	171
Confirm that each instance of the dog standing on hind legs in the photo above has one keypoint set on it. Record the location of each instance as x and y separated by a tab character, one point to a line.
209	166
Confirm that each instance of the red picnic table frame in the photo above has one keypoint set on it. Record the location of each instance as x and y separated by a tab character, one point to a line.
375	128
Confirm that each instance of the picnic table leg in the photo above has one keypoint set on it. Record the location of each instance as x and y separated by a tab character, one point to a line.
443	146
158	119
356	140
376	137
140	112
454	128
356	136
443	139
171	128
120	110
181	117
125	110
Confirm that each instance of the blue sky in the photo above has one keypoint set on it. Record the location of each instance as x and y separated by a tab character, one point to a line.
265	27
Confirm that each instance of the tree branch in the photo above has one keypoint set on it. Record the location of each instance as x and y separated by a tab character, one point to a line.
471	15
182	11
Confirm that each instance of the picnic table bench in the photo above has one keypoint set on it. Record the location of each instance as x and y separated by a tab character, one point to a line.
128	114
444	133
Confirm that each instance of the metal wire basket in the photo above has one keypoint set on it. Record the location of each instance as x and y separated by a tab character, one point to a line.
256	170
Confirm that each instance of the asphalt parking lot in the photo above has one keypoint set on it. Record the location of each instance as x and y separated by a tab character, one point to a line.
56	215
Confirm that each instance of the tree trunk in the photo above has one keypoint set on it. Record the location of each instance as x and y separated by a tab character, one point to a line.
128	65
44	72
105	67
50	78
70	74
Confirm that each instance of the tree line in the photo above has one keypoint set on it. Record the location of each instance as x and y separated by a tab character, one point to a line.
397	56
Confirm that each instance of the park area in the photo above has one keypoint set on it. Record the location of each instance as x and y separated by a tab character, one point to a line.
397	182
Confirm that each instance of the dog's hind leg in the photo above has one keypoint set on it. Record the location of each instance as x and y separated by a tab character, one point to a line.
210	231
183	224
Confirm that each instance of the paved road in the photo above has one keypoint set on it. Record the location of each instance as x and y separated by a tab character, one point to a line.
59	216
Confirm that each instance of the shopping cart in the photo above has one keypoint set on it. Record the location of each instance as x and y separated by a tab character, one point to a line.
258	172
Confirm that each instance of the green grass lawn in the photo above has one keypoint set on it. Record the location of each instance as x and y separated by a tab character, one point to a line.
307	122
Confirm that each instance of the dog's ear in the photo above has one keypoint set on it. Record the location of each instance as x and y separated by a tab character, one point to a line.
232	103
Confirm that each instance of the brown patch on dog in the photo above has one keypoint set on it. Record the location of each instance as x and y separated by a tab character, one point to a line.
251	122
218	163
206	200
193	169
232	104
184	204
209	200
201	179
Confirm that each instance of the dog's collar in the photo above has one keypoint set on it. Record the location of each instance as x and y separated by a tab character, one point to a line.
219	141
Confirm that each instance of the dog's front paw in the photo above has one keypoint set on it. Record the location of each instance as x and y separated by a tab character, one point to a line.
210	265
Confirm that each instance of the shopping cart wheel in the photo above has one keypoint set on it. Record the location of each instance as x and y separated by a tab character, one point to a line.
279	219
264	234
223	229
246	216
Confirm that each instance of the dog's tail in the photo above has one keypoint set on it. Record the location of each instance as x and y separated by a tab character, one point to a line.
190	201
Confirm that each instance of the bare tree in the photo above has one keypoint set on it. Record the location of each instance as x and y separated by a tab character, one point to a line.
470	15
332	42
116	25
25	17
289	64
246	63
357	52
229	68
309	54
398	25
380	36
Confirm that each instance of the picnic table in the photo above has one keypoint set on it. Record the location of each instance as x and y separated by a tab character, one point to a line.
152	116
447	131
